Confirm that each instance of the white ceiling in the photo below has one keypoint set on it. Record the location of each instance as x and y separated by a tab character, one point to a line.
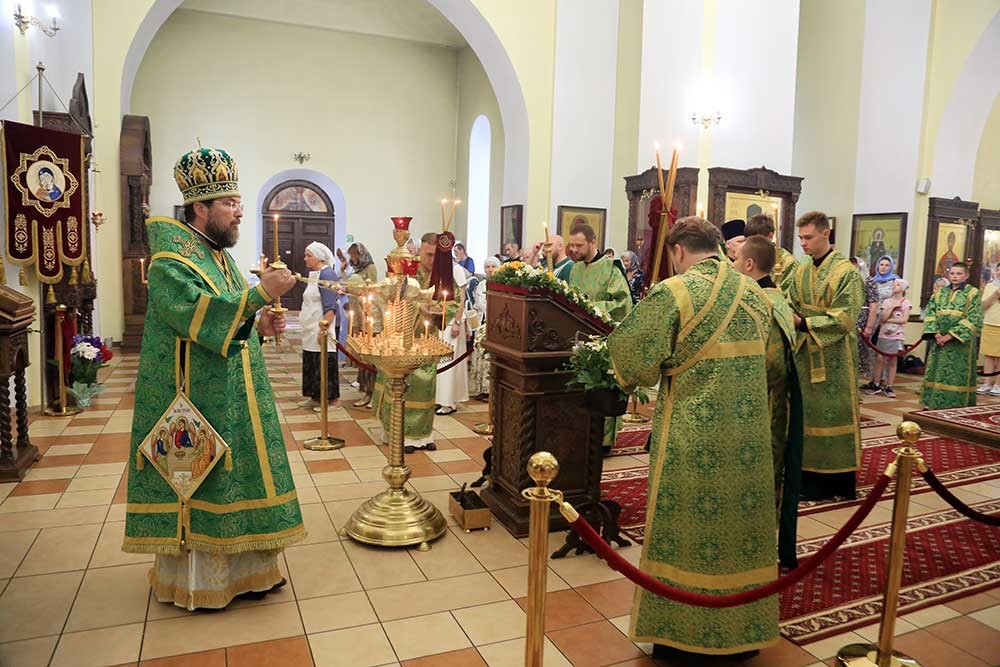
414	20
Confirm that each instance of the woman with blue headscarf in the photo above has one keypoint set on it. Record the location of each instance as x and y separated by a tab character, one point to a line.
884	277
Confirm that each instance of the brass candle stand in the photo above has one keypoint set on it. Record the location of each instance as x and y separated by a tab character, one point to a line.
398	516
633	416
323	443
62	411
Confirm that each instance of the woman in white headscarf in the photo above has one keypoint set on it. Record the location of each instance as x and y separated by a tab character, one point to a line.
479	368
319	304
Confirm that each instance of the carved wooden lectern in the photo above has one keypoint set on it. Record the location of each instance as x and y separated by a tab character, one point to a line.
530	336
16	315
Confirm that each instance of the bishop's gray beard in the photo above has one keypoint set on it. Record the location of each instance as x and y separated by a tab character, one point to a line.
222	235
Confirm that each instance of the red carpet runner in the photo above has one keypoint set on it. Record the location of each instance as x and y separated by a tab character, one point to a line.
947	556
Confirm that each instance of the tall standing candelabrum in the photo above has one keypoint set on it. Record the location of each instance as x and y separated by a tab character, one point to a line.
398	516
277	308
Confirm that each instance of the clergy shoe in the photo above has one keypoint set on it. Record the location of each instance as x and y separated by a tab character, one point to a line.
307	403
365	401
259	595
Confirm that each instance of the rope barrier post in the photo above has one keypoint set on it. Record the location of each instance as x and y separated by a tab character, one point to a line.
543	468
882	655
324	442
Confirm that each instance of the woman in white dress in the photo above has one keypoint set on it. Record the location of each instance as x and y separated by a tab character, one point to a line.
453	384
318	305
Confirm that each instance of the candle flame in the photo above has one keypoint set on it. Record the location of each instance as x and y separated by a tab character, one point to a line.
656	146
678	147
443	202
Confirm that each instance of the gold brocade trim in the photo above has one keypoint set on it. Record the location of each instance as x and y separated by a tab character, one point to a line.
852	380
709	304
188	370
719	582
949	311
830	430
151	508
237	318
692	648
170	221
387	399
258	428
199	316
177	364
710	343
241	505
684	304
215	545
188	263
211	599
740	348
828	471
948	387
263	292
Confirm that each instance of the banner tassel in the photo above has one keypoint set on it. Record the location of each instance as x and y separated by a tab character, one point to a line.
50	298
74	277
229	460
22	278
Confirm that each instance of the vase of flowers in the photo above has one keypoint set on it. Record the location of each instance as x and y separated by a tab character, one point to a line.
87	355
591	367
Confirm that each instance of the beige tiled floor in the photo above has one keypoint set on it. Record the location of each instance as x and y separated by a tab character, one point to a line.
71	597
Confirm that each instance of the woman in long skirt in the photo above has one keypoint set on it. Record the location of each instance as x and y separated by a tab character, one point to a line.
318	304
479	375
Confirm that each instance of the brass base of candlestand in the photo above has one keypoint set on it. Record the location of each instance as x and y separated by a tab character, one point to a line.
483	429
866	655
635	418
321	444
396	518
62	412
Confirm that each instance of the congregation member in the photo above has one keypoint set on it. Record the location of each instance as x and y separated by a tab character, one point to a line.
561	262
199	337
511	252
479	367
893	314
462	259
825	293
710	523
755	258
866	321
633	275
610	253
362	268
319	305
453	384
784	265
990	342
952	322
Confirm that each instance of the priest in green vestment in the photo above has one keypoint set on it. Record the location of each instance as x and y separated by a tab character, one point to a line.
953	320
710	520
755	258
418	418
826	293
200	339
784	265
596	275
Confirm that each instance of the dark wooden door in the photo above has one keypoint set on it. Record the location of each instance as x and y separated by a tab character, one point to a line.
305	214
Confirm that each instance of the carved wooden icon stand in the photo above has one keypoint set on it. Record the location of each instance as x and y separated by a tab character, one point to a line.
16	315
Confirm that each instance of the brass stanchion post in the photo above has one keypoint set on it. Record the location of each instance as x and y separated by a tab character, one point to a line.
63	411
324	442
543	468
882	655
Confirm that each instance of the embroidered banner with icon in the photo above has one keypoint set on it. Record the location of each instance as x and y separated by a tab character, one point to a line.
44	196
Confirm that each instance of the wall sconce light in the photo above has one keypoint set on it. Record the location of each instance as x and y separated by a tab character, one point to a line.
24	22
706	119
301	158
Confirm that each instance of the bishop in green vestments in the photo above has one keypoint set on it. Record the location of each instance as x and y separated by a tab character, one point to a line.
952	322
710	520
826	293
755	258
199	338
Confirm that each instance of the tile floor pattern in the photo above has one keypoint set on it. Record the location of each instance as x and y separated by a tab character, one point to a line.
70	597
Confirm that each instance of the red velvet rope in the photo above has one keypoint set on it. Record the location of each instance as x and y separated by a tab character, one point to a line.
902	353
653	585
371	369
958	505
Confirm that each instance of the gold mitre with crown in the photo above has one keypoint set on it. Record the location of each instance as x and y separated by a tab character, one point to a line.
206	173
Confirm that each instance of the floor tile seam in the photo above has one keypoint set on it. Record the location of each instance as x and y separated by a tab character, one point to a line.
20	563
76	596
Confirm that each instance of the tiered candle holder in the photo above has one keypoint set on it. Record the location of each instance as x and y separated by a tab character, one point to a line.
398	516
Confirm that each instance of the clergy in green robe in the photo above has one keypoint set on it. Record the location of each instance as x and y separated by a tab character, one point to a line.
952	322
596	275
710	520
826	293
784	265
755	259
199	337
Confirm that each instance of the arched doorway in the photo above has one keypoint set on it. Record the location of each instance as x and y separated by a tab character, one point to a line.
304	214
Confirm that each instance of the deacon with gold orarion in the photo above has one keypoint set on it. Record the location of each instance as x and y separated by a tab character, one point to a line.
826	294
710	520
200	343
434	270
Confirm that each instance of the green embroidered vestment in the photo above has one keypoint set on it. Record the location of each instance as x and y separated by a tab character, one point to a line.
829	297
950	378
710	517
199	332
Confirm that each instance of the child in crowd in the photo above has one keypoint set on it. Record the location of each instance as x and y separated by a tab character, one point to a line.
892	317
